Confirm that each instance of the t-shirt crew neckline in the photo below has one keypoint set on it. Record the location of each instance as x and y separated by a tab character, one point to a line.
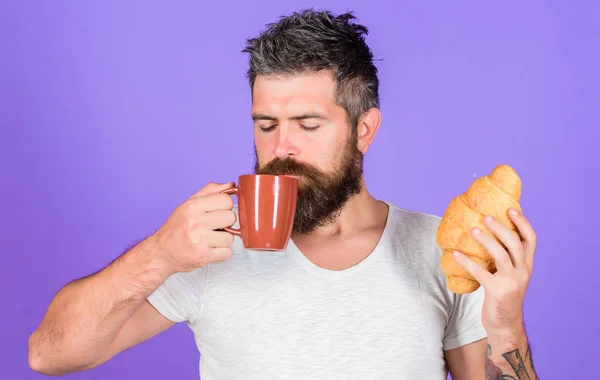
381	245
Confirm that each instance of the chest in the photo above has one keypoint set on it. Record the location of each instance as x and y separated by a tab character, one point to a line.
339	254
376	317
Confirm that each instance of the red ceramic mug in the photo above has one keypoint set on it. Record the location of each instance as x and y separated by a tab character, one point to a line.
266	210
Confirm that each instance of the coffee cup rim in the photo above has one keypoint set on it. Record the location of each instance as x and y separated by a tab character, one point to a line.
290	176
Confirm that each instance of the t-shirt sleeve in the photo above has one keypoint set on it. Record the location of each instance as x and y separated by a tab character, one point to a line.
179	298
464	325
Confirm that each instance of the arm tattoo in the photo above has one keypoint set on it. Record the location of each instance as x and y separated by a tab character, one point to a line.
522	368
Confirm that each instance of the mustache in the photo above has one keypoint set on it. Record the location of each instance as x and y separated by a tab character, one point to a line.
288	166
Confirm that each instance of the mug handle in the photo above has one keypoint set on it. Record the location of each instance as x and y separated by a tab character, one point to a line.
233	231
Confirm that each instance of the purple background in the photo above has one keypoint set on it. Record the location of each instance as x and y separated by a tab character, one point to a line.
113	112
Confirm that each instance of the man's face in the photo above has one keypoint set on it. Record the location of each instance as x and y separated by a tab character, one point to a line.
300	130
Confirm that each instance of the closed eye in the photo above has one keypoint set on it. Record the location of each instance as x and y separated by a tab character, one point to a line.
311	128
267	129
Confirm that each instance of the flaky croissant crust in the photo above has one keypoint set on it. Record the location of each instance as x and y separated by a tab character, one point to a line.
494	195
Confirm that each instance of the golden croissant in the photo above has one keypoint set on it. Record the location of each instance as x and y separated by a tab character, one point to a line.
494	195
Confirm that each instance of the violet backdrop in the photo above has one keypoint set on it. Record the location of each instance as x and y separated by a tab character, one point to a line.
113	112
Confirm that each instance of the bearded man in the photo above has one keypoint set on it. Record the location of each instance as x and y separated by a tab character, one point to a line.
357	294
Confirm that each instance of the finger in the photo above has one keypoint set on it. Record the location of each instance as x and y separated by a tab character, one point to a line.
219	239
502	259
203	239
527	233
213	202
213	188
482	276
220	254
509	238
216	219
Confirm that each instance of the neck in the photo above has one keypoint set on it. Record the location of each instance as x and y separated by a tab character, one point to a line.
358	214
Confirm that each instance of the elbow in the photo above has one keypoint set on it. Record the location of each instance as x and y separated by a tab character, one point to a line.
37	358
56	361
36	363
40	360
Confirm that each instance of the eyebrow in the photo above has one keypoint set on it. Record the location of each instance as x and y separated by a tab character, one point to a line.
312	115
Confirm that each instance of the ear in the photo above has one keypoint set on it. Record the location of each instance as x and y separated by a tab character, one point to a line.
368	125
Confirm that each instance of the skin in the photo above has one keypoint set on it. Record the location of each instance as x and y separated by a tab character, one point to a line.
285	102
93	319
508	352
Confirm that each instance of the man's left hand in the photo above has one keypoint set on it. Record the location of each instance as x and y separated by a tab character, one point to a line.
504	290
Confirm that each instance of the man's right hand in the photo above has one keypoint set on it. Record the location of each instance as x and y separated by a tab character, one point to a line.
92	319
189	238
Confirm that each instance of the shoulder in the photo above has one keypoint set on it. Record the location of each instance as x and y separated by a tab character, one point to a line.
417	222
414	233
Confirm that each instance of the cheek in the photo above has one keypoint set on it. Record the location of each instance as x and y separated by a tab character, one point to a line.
264	146
324	154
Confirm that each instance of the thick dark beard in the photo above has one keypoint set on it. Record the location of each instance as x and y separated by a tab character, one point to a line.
323	196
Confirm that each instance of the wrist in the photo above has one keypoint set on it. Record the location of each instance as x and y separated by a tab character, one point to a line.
509	337
157	257
141	270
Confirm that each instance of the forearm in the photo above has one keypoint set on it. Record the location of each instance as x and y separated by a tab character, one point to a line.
85	316
509	356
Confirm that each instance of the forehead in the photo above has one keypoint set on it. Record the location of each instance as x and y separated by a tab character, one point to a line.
294	93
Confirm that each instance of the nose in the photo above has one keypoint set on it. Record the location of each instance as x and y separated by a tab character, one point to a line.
284	147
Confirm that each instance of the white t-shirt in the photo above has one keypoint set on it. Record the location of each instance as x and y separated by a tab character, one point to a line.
276	315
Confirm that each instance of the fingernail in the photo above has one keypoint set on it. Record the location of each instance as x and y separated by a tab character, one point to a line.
487	219
455	253
513	212
475	231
